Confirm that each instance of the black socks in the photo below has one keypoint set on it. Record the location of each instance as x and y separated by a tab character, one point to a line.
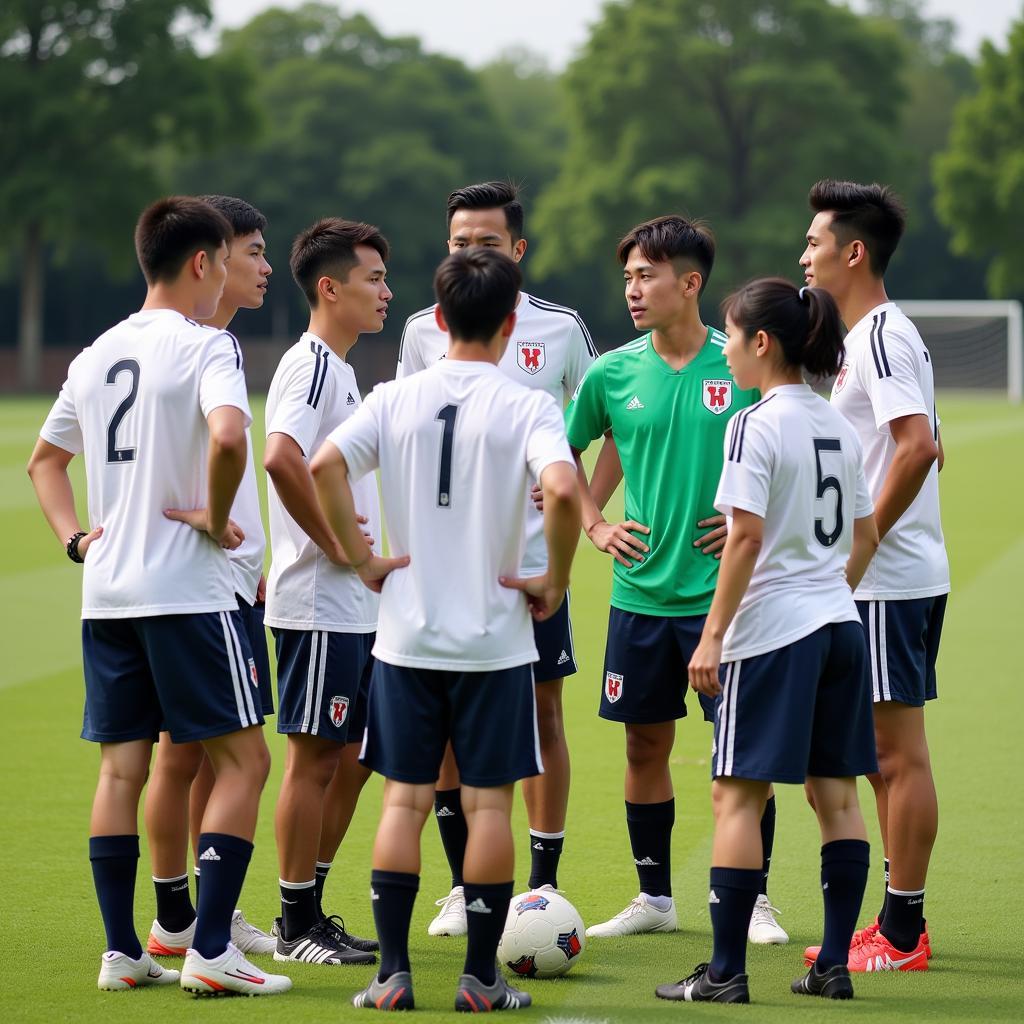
451	823
393	894
545	851
225	860
650	836
174	908
114	861
732	898
844	876
486	910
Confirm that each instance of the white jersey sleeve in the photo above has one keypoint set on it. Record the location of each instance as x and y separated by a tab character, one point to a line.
863	506
62	427
221	380
411	357
546	443
580	356
358	439
747	469
890	374
304	392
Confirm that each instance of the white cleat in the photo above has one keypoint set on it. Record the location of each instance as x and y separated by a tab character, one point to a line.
764	930
161	942
119	972
248	938
639	917
229	974
451	918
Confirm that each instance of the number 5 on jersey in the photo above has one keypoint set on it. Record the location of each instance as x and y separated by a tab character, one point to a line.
825	484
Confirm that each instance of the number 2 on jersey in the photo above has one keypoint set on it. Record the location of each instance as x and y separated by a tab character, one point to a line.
446	414
828	483
115	454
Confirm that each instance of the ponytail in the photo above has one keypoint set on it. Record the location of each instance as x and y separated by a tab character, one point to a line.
804	322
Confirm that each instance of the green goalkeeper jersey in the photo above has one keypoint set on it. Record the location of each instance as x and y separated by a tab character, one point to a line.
668	426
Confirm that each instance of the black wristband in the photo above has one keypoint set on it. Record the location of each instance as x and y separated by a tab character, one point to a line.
72	547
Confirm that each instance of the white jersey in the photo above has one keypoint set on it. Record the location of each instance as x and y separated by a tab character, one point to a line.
550	349
795	462
453	443
135	402
247	559
312	392
887	373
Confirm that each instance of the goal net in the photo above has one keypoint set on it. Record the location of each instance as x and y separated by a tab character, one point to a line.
976	345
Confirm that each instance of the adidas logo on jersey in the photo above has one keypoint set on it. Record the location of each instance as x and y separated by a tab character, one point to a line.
209	854
712	898
478	906
563	658
635	403
350	400
647	862
444	812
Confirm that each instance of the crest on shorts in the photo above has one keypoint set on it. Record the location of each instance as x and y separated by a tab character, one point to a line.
841	379
339	711
717	395
612	686
530	356
253	674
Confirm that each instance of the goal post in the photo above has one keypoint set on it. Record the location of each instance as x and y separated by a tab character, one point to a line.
974	343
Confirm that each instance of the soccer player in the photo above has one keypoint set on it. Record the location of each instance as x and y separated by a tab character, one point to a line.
549	350
158	406
322	617
664	399
181	767
454	647
886	390
795	704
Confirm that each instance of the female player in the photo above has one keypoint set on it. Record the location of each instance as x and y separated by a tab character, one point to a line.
794	704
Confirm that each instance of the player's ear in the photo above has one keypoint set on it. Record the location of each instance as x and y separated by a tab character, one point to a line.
326	290
439	319
692	281
761	343
858	253
518	249
200	263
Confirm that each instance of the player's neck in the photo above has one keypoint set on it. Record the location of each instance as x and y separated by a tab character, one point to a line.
474	352
167	296
223	316
337	338
679	342
863	297
779	376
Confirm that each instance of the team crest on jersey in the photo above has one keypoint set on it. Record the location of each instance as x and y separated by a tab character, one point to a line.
530	356
717	395
841	379
339	711
612	686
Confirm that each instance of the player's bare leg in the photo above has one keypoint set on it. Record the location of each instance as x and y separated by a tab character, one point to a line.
198	797
124	768
650	813
241	764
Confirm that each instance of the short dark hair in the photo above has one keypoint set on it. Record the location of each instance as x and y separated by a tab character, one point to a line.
874	214
489	195
329	247
476	290
672	239
243	217
171	230
805	322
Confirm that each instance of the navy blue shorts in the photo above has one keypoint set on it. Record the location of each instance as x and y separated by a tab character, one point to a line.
903	645
322	683
252	622
553	638
489	717
646	663
192	675
802	710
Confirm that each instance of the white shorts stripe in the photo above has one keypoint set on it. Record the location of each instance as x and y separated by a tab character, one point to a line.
873	650
883	663
246	677
229	648
536	732
568	615
735	681
318	697
722	719
314	646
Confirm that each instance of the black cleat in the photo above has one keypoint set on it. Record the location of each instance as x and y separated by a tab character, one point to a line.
352	941
473	996
699	988
393	994
320	945
831	984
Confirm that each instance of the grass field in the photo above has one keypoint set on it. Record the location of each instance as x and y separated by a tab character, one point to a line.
51	937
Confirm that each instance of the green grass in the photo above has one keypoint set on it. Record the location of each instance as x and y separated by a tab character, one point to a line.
51	933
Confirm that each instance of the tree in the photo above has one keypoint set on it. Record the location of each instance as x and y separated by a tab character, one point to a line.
980	176
728	111
103	89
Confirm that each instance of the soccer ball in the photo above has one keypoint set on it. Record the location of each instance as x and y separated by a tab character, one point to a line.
543	935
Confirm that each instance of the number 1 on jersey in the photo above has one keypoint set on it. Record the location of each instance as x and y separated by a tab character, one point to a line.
447	416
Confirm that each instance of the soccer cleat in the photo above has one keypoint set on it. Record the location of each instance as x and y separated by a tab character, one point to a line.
451	919
831	984
877	953
859	936
699	988
393	994
473	996
248	938
229	974
320	945
118	972
350	940
764	930
164	943
640	916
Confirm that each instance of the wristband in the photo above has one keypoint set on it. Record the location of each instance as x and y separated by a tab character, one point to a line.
72	547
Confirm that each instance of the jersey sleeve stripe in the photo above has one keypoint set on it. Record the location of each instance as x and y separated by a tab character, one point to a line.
878	347
881	343
551	307
323	377
316	385
238	351
740	430
415	316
